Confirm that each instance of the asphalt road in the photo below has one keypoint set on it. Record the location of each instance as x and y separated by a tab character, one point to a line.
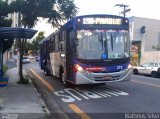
138	98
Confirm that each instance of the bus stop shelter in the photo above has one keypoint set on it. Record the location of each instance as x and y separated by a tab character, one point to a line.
13	32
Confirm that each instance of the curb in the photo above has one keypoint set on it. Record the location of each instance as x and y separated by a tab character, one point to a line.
1	101
44	107
55	111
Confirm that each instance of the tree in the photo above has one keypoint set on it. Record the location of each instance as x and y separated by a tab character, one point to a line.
57	11
5	22
34	46
29	46
36	41
7	44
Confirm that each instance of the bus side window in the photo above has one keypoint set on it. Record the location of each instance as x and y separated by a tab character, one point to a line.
56	43
53	43
71	35
61	46
61	41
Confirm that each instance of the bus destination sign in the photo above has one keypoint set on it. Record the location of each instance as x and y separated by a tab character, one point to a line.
111	21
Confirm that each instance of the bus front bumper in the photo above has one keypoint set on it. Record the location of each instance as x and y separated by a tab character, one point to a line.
91	78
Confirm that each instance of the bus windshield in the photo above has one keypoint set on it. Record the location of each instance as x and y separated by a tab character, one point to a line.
102	44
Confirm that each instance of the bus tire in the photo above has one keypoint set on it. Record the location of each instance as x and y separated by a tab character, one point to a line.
62	77
46	74
46	71
61	71
101	84
65	83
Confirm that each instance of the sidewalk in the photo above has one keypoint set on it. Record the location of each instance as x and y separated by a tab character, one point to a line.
19	101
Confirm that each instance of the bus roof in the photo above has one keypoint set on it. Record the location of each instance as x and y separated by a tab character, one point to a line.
47	38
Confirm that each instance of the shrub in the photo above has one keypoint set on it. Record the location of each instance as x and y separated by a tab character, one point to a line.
5	68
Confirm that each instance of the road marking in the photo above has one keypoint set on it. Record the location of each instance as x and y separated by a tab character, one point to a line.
50	88
78	111
70	95
154	85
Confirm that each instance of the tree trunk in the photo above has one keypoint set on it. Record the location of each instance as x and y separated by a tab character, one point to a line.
21	45
20	68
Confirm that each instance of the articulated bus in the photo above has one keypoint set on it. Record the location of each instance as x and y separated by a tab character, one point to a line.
88	49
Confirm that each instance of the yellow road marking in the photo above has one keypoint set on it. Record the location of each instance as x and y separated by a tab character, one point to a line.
79	112
154	85
43	80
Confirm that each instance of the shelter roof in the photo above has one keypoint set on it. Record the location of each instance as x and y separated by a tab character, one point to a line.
15	32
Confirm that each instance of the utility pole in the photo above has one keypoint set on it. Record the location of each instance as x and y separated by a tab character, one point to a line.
125	10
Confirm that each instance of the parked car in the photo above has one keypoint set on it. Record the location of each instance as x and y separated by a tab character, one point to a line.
25	59
148	68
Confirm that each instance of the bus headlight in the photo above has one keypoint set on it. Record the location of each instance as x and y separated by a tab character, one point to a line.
129	66
77	67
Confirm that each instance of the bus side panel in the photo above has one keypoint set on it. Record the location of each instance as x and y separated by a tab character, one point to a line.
41	53
56	61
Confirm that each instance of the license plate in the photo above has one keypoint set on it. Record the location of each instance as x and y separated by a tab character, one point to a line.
107	77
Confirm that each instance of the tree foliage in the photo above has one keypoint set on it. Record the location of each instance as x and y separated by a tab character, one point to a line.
57	11
7	44
5	22
29	46
36	41
4	8
34	45
4	11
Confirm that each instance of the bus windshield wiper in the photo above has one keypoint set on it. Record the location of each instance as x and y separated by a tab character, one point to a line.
111	41
101	39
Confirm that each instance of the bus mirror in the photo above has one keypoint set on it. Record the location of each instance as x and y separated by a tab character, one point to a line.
62	55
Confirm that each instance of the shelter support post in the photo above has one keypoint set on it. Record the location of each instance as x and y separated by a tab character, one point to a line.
1	59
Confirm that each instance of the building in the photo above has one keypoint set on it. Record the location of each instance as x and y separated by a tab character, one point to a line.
14	17
145	37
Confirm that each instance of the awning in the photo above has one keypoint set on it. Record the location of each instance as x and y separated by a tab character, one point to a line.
15	32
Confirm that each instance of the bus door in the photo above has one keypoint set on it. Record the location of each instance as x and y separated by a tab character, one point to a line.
41	53
69	54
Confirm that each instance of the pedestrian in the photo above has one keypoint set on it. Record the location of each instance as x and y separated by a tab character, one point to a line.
45	64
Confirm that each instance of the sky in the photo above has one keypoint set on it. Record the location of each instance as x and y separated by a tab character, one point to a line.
139	8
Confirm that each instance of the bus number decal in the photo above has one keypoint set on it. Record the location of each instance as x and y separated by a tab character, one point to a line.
119	67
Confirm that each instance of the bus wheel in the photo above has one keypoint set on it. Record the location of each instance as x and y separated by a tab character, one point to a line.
62	77
46	71
46	74
65	83
60	73
101	84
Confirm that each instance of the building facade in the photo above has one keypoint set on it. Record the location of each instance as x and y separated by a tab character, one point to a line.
145	37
